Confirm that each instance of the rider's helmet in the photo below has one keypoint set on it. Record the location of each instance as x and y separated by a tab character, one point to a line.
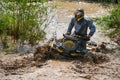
79	14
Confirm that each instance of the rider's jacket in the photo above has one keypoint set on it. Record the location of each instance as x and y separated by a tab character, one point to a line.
82	26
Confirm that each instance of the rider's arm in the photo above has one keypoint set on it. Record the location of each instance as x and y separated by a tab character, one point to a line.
70	27
91	27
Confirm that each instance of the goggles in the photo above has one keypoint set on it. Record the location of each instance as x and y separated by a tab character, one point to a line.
78	16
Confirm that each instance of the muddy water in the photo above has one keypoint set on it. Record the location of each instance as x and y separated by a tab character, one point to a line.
63	70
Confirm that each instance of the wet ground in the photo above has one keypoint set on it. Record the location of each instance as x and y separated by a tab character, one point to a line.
23	67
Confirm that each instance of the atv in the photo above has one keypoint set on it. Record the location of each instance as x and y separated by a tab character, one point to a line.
70	46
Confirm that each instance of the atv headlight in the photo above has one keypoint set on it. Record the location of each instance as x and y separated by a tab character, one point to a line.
69	45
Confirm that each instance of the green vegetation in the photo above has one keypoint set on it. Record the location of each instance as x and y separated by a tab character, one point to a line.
112	21
22	20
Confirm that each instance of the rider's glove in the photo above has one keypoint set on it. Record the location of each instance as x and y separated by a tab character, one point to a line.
68	33
88	37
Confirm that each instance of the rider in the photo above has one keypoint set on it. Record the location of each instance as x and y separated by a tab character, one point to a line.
81	24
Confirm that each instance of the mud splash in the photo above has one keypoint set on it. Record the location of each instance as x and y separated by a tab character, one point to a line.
97	52
43	54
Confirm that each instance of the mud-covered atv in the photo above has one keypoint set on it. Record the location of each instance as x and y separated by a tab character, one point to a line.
68	48
71	46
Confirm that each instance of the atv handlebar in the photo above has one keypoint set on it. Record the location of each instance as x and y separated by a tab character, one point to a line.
75	37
